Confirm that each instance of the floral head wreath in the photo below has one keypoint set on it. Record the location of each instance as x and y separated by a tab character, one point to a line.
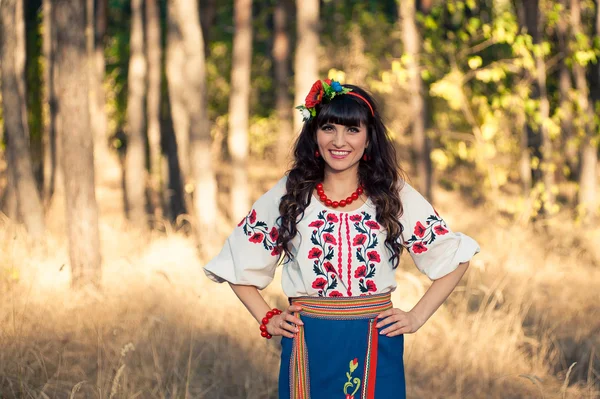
323	91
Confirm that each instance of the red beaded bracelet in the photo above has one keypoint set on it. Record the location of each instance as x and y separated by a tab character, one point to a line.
263	326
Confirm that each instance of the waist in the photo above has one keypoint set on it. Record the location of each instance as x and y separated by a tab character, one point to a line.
343	308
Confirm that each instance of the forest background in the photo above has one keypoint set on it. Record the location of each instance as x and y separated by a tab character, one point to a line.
137	133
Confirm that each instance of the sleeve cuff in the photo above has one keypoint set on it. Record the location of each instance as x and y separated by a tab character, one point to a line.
467	248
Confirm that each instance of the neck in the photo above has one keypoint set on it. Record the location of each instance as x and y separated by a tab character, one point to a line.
340	184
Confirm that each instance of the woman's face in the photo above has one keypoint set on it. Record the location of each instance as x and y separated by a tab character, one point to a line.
341	146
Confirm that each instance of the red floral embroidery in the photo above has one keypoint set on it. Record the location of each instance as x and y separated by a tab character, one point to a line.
322	252
329	238
418	248
315	253
373	256
316	223
274	234
371	287
440	230
335	294
319	284
420	230
372	224
328	266
359	239
258	232
425	234
360	271
332	218
256	237
356	218
366	241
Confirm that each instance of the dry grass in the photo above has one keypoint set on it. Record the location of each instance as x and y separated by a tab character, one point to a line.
525	313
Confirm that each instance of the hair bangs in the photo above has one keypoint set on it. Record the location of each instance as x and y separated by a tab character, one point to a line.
343	110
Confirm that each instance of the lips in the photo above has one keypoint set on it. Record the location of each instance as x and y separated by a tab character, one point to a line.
336	154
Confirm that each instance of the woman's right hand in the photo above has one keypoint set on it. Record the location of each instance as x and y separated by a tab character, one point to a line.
281	324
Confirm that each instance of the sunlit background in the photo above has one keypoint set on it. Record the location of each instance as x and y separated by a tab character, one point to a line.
189	105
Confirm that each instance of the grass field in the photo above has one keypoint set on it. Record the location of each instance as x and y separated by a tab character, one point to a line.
524	315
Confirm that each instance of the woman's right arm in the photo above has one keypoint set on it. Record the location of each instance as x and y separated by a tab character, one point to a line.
258	307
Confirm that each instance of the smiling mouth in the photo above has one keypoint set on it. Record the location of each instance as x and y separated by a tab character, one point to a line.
339	154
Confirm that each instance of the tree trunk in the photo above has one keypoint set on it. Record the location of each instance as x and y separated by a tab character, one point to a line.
12	56
283	105
534	17
52	178
565	86
153	101
186	35
588	180
237	140
306	62
177	86
135	160
75	133
108	167
208	13
412	48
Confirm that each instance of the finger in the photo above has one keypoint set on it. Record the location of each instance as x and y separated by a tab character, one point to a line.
390	319
391	328
294	308
400	331
292	319
288	327
385	314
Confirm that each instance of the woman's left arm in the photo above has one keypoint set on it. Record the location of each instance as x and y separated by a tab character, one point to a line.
398	322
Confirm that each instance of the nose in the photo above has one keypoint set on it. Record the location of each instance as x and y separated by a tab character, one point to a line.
340	139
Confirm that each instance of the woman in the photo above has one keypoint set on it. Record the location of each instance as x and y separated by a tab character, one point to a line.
340	220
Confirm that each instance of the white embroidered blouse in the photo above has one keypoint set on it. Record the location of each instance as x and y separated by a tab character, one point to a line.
337	253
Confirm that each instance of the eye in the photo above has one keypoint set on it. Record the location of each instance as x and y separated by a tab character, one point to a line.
353	129
327	128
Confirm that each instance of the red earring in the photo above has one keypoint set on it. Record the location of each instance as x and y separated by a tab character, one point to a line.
364	157
317	155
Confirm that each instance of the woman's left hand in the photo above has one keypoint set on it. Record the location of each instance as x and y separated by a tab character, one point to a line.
397	322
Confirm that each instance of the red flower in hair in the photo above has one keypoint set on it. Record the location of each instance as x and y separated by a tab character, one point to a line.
315	95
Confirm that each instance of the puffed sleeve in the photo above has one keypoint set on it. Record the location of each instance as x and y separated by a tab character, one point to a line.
433	246
250	256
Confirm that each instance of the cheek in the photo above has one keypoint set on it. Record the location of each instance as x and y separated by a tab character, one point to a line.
359	142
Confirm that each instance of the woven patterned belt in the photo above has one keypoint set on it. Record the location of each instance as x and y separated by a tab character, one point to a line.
341	308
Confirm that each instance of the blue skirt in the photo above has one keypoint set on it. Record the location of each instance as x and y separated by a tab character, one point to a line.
338	353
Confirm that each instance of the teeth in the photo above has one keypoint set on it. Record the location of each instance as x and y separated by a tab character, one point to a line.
340	152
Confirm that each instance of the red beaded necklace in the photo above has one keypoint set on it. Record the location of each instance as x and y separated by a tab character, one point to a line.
342	203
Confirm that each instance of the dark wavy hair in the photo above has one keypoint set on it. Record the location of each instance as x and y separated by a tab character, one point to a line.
381	175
